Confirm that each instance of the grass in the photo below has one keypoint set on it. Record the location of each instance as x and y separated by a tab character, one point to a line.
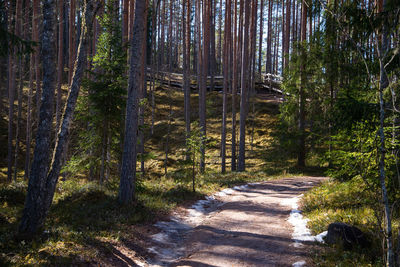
353	203
86	223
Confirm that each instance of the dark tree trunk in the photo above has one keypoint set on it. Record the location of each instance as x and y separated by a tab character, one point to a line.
11	94
60	66
128	172
43	179
34	211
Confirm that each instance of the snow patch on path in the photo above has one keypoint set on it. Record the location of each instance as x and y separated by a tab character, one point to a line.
299	264
300	233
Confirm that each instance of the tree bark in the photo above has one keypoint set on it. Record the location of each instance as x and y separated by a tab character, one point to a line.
71	38
383	84
244	89
60	66
128	172
226	71
301	159
35	32
234	89
186	69
287	35
43	179
34	211
268	67
11	94
260	41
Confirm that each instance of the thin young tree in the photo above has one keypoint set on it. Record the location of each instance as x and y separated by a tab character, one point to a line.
268	68
71	40
226	72
60	60
186	67
235	78
19	28
244	87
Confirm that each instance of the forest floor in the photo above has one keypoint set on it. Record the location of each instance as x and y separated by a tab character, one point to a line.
87	227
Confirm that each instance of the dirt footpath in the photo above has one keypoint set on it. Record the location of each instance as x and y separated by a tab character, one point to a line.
250	228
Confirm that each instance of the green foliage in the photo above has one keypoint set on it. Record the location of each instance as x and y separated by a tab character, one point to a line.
315	92
101	105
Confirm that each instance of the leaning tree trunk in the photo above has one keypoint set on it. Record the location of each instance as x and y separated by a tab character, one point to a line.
42	182
128	171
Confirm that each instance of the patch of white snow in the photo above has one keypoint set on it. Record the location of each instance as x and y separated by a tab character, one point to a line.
300	232
299	264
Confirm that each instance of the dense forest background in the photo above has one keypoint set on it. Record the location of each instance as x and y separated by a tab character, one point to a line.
131	107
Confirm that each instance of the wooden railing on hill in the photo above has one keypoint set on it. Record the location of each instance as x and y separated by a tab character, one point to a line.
264	81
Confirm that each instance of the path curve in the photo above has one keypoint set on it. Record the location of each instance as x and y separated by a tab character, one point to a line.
246	226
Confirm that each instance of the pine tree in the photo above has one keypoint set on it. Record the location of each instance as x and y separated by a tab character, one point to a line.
101	105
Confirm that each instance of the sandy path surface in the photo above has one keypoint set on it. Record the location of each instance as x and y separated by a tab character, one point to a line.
246	227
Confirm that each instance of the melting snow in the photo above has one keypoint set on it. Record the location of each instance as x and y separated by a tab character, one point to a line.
300	232
299	264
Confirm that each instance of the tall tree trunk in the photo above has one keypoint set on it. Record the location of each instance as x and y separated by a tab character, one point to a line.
268	68
28	140
34	211
128	172
71	44
383	84
260	40
125	21
301	159
35	31
212	45
18	124
219	49
202	98
287	36
244	89
12	88
186	68
226	71
142	95
60	65
234	89
43	178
